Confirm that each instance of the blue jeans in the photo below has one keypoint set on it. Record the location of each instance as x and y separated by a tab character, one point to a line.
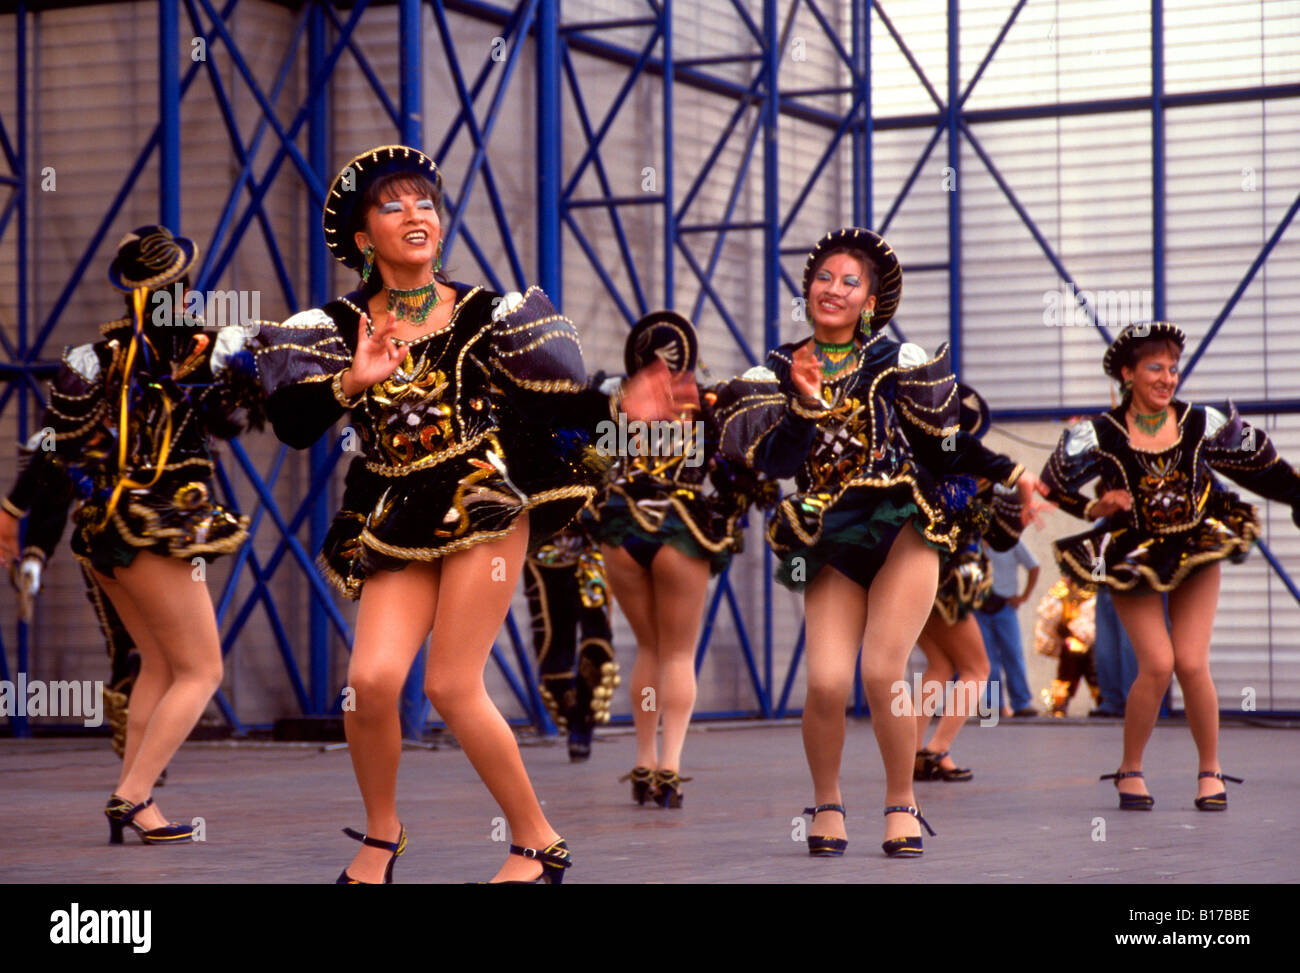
1001	632
1116	663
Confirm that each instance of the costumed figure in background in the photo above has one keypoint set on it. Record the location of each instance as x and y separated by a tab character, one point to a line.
131	417
669	517
568	598
885	480
1167	523
951	639
475	418
1065	631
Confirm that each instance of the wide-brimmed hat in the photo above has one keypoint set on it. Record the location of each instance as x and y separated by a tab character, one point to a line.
1133	334
150	256
889	286
661	334
342	210
974	413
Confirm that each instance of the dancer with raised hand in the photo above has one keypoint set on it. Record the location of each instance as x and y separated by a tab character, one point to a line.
130	420
669	518
868	427
1167	526
475	417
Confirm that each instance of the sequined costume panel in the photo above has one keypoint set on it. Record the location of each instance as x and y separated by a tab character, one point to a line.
131	429
485	419
1181	517
882	447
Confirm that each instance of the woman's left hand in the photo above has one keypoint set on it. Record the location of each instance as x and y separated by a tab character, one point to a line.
1028	487
655	393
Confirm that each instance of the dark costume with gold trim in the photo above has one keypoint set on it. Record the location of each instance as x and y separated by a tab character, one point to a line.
182	386
487	418
1181	518
882	447
1066	630
568	598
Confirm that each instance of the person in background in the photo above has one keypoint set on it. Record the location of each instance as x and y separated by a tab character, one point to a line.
1001	628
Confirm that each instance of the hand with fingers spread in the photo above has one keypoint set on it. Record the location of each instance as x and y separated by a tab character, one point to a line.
376	357
806	373
655	393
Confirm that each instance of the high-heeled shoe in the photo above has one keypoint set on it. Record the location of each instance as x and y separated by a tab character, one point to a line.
933	769
1130	802
555	858
121	814
909	847
398	848
668	788
824	845
640	778
1219	801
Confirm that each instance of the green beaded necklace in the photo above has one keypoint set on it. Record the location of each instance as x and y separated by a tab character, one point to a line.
415	304
1150	423
835	359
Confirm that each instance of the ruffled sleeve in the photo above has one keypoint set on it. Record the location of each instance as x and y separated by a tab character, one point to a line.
1244	452
928	410
235	401
297	363
1073	463
764	426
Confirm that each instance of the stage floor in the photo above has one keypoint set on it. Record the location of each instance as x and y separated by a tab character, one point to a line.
1033	813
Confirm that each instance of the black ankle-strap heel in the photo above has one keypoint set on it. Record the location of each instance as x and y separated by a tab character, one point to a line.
1219	801
824	845
121	815
1130	802
555	859
640	778
398	848
909	847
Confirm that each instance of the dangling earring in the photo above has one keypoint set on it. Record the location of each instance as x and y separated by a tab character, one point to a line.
1127	386
866	317
369	254
437	263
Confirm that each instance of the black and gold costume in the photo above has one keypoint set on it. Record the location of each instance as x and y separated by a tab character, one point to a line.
882	447
1181	518
1066	630
131	418
568	598
487	418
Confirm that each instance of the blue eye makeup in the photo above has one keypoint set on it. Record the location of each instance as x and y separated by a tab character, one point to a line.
392	206
852	280
424	204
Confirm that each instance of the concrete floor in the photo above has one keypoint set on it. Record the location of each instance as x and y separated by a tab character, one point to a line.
1033	813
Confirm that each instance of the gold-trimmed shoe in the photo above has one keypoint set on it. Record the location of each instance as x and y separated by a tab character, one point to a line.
121	815
398	848
1219	801
909	847
668	788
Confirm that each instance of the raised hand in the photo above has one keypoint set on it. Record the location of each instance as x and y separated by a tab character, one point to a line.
376	356
649	394
806	372
1029	487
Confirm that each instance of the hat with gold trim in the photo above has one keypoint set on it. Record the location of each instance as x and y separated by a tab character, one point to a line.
661	334
889	273
342	210
150	256
1134	334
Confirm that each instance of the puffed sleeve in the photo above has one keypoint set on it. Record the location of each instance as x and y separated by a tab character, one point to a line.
1073	463
1005	526
298	362
235	401
928	409
536	361
1244	452
764	425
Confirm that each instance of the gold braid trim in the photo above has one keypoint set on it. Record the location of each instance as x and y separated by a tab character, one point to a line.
1189	564
714	547
12	508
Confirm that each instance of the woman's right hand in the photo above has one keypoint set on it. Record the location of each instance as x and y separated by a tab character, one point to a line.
8	537
806	373
1110	502
376	356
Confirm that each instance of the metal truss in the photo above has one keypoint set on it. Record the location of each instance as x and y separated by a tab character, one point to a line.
324	35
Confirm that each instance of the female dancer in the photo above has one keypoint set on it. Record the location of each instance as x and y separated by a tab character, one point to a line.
866	424
1168	525
130	418
951	638
472	410
663	531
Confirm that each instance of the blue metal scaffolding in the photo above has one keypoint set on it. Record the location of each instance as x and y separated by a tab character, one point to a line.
325	34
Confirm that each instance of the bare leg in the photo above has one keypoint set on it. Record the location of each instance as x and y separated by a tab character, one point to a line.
393	620
899	601
835	614
963	645
938	668
1143	618
633	589
484	576
681	585
1191	612
175	613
